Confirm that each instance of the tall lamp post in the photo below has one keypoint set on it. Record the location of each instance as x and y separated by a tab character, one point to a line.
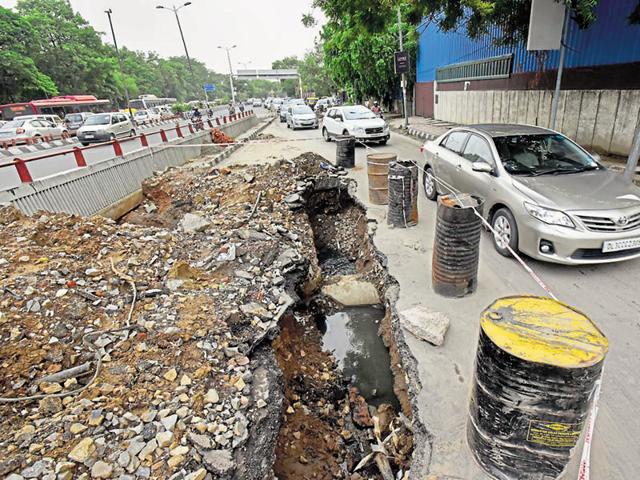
228	49
175	11
115	44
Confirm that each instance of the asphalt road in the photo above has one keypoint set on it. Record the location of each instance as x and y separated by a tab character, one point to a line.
607	293
52	166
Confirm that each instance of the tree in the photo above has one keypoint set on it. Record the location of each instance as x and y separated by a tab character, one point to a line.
19	76
313	72
287	62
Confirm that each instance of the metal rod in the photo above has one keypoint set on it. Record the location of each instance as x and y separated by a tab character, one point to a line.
233	92
124	82
556	93
404	77
184	43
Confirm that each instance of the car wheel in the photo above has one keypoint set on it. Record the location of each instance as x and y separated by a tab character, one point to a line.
132	133
506	232
112	137
325	134
383	142
429	184
84	144
345	132
65	134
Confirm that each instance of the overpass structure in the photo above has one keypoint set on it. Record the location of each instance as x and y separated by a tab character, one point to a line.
276	75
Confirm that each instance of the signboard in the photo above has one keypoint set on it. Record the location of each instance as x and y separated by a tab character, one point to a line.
401	63
545	25
209	87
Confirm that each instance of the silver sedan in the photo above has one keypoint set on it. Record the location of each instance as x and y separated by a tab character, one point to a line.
21	130
543	194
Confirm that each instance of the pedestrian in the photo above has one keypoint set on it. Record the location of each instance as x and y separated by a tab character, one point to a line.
241	107
232	110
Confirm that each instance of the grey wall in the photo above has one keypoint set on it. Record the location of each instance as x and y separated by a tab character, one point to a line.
599	120
89	190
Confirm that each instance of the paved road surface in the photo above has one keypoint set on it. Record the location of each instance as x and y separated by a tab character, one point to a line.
607	293
55	165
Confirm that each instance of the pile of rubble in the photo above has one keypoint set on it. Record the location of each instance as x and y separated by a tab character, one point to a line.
140	349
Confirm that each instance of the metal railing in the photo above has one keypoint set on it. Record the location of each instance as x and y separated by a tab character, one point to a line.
22	166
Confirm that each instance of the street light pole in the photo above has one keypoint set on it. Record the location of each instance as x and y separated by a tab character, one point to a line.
233	92
115	44
404	75
184	43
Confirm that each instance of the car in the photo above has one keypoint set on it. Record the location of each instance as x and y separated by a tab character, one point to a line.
357	121
74	121
257	103
142	117
55	119
543	194
282	111
23	130
105	127
301	116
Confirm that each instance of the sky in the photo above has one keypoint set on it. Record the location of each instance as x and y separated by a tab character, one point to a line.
263	30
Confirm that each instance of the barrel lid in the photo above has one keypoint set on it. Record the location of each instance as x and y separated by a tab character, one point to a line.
382	157
543	330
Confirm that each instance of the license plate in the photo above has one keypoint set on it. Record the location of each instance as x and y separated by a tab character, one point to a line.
617	245
88	135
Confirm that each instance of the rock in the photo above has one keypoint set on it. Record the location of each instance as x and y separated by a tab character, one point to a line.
83	451
171	375
293	198
76	428
101	469
135	446
124	459
96	418
192	223
175	461
201	441
197	475
359	409
181	450
169	422
351	291
164	439
218	462
50	388
62	467
148	449
36	470
425	324
185	381
255	309
49	406
248	177
61	293
25	434
212	396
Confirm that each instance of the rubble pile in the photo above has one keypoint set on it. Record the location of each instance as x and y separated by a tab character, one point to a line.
141	349
219	136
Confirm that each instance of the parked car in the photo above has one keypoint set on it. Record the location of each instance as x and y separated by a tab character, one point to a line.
55	119
104	127
357	121
545	195
74	121
142	117
301	116
257	103
21	130
282	111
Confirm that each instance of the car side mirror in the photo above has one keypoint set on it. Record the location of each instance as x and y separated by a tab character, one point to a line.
338	119
483	167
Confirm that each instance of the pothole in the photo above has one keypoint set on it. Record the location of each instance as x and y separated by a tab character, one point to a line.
343	417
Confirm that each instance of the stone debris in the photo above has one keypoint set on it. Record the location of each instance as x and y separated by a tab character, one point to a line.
425	324
351	290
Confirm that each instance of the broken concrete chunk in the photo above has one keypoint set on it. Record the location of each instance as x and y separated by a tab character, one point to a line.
192	223
425	324
351	291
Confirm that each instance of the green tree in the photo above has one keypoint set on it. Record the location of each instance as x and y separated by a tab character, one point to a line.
313	72
286	62
19	76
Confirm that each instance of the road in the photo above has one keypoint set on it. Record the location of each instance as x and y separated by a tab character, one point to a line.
62	163
607	293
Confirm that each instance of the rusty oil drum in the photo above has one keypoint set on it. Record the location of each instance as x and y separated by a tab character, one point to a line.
345	151
456	249
537	368
378	173
403	194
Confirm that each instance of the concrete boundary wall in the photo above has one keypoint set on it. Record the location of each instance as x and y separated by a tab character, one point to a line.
92	189
600	120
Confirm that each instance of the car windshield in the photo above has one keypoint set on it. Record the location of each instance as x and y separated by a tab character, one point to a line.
141	113
103	119
302	109
358	113
74	117
13	124
546	154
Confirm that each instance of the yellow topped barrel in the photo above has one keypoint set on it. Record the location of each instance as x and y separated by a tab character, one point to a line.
537	367
378	172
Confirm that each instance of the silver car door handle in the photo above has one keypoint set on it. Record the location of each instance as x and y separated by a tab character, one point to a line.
459	167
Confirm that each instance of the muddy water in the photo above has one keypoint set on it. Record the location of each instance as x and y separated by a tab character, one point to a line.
352	336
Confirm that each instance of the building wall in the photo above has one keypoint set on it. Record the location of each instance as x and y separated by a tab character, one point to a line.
600	120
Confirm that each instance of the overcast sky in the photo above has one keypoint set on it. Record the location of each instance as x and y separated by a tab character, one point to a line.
264	30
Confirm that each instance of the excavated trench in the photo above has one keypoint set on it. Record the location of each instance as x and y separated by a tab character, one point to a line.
336	352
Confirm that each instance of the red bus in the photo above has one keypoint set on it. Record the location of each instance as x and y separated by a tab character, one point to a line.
55	106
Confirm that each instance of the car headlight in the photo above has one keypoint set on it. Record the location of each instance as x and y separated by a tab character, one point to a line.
359	130
548	215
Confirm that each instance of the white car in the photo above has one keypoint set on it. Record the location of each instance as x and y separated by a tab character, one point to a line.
357	121
257	103
55	119
301	116
143	117
105	127
21	130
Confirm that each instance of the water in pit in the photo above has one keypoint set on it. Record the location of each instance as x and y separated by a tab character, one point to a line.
352	336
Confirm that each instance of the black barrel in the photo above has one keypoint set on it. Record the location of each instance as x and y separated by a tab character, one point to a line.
536	371
456	248
403	194
345	151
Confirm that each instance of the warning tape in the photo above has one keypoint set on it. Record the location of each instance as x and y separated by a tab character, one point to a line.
585	467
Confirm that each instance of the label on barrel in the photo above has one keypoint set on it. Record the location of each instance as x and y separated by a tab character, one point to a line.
553	434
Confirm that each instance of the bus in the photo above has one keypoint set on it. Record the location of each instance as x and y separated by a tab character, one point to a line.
55	106
145	102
